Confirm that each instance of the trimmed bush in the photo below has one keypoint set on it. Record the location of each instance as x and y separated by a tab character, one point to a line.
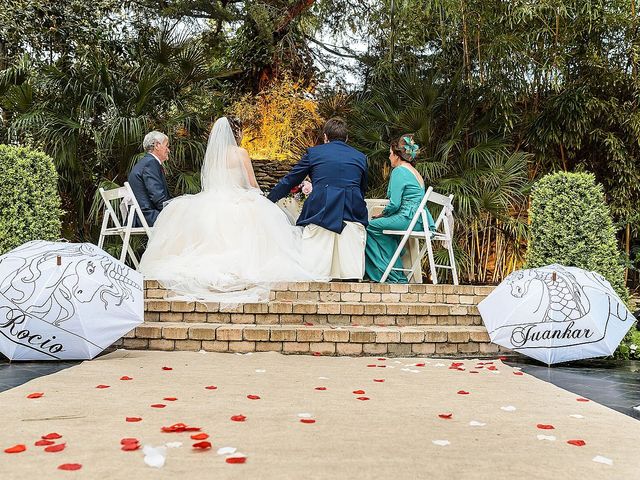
571	225
29	200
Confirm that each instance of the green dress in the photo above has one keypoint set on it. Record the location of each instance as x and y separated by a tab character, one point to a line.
405	194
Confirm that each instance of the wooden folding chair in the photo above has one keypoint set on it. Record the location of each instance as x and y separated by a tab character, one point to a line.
442	233
128	207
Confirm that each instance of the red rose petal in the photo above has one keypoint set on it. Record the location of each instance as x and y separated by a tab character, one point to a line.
372	365
308	324
317	354
381	366
359	392
125	377
133	419
180	427
542	426
211	387
103	386
577	443
446	416
420	364
382	359
202	445
124	441
253	397
199	436
473	371
238	418
51	436
55	448
235	459
502	358
580	399
362	398
70	466
44	443
320	388
307	420
158	405
492	368
130	447
463	392
518	373
167	368
35	395
379	380
170	399
15	449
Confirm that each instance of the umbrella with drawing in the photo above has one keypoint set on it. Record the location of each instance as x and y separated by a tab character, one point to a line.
65	301
556	314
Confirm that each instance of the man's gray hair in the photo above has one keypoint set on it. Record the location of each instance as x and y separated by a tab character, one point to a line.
151	139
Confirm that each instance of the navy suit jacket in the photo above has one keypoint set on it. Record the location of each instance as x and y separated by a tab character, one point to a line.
149	185
338	173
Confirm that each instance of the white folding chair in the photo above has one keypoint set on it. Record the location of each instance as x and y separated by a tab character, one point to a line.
122	227
443	233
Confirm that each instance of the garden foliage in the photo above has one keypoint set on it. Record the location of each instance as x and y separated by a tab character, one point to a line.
29	200
571	225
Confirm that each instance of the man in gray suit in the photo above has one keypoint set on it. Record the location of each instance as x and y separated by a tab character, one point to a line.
147	177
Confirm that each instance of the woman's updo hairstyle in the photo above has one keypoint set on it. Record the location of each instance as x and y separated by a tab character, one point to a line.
236	127
406	148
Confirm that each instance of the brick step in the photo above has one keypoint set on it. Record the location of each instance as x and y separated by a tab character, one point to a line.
361	292
289	313
324	339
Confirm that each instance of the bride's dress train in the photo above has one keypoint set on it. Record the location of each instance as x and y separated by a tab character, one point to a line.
228	243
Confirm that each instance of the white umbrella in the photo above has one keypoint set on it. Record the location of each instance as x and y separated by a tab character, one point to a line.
65	301
556	314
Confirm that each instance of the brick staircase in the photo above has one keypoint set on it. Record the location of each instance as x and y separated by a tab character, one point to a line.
327	318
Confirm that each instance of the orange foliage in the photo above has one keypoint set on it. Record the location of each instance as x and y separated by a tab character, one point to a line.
279	121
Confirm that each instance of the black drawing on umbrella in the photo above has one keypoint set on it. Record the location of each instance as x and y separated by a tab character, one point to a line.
561	293
85	274
563	297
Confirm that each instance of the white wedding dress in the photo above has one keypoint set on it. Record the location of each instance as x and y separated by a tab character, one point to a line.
227	243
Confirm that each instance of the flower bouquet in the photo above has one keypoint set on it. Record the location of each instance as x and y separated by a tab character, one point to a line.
292	203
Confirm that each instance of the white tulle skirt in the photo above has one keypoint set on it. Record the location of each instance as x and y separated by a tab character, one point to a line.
226	248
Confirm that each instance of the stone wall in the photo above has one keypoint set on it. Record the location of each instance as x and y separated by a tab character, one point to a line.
269	172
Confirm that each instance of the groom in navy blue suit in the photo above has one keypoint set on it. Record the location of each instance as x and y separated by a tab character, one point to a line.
147	178
338	174
334	216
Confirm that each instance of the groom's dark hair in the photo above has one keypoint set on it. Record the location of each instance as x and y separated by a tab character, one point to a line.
335	129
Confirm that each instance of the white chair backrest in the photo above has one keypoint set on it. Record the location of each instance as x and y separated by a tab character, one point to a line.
131	201
446	202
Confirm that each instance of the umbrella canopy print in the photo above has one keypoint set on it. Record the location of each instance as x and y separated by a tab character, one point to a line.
65	301
556	314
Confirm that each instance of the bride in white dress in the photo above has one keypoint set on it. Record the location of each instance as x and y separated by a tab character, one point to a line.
227	243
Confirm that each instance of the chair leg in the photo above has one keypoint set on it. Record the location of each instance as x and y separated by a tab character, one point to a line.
432	263
105	223
386	273
452	262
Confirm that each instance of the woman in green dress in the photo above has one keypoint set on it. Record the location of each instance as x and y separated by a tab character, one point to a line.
405	192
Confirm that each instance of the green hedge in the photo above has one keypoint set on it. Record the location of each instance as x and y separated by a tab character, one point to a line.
571	225
29	200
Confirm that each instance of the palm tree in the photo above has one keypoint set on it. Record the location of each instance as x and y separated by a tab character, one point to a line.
460	154
91	114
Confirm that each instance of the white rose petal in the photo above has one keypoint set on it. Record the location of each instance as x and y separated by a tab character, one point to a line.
226	450
551	438
508	408
601	459
442	443
475	423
